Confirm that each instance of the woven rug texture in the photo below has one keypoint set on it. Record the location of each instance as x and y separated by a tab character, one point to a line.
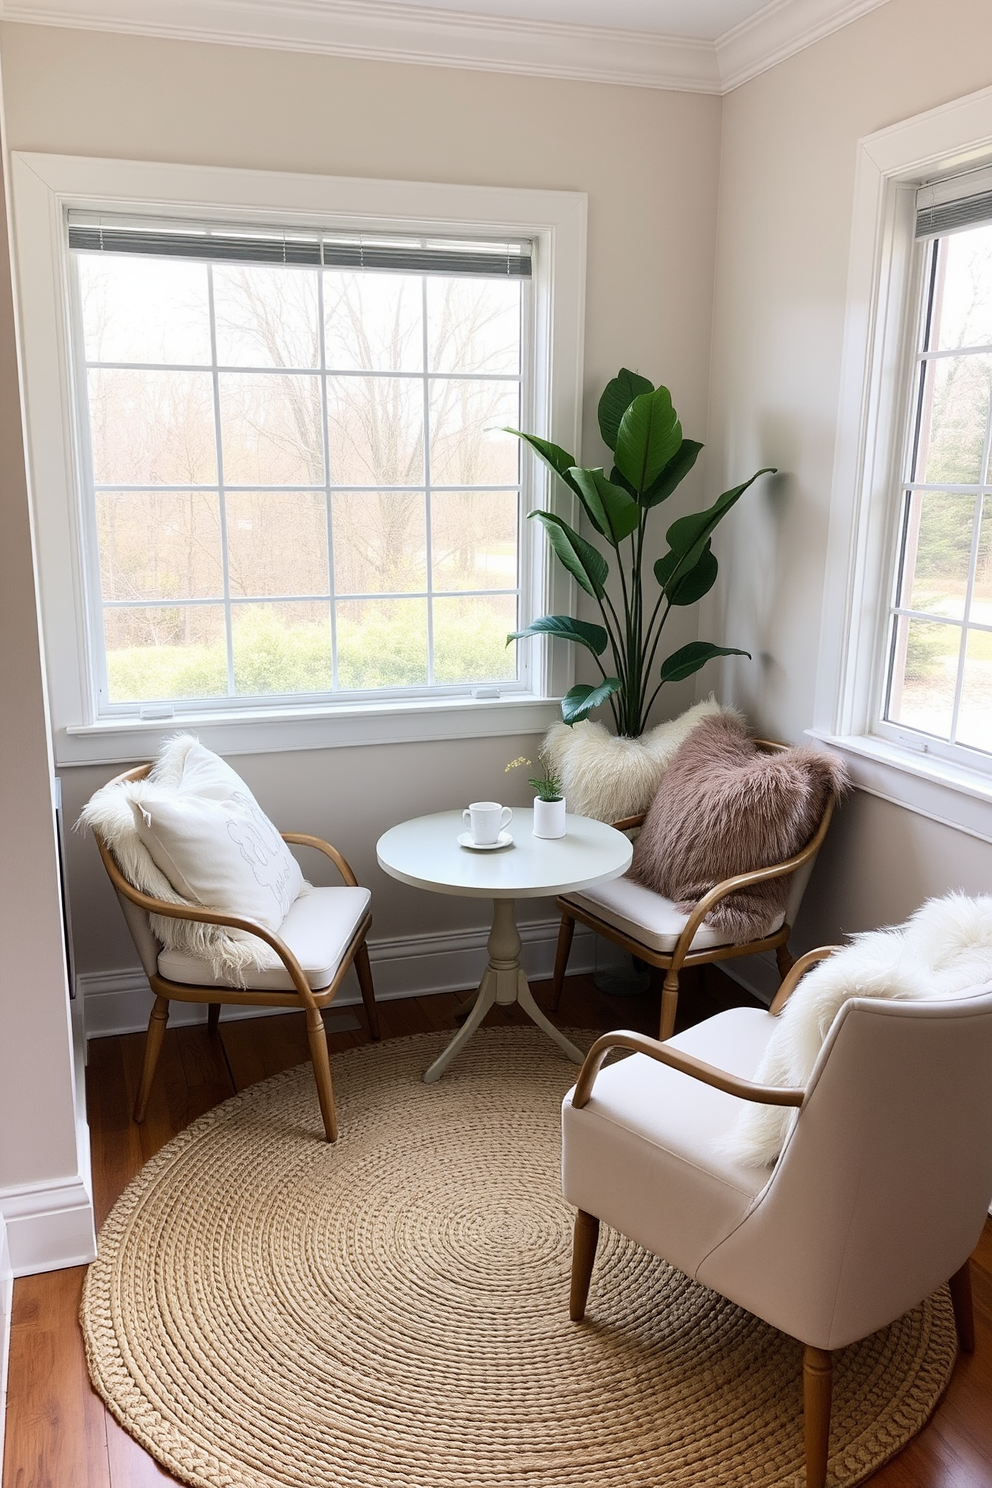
391	1311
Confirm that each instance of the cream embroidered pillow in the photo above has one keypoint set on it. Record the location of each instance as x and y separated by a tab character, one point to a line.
191	832
223	854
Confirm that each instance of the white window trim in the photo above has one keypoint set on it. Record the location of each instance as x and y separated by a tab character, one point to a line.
43	186
880	324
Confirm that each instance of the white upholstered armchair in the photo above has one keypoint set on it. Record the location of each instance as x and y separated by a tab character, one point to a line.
878	1198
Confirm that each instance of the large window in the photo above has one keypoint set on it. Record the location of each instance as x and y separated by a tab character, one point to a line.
296	476
272	498
938	680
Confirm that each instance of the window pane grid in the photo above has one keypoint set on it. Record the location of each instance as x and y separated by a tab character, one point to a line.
222	502
398	625
939	674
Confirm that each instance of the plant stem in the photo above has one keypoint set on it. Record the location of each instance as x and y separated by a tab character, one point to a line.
613	633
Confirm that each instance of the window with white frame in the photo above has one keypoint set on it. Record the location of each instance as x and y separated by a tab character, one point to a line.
937	683
295	477
904	677
239	498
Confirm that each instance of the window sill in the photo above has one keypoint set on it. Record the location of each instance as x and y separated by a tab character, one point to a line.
271	731
944	792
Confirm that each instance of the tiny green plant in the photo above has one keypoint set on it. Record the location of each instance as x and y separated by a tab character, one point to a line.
642	429
548	785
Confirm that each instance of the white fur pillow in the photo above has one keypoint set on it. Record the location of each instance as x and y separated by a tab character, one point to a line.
943	951
192	833
612	778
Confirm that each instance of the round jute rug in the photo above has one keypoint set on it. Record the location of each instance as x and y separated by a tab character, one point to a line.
391	1312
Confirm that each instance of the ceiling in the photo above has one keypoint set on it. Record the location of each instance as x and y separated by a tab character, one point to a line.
701	46
703	19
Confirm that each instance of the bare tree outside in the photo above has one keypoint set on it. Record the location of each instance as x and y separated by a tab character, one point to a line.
286	460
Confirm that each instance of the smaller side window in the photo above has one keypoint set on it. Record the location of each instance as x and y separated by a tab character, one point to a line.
937	687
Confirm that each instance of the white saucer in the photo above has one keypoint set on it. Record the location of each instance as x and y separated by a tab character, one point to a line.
466	839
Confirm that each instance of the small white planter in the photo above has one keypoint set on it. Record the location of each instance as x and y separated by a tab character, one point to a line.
549	818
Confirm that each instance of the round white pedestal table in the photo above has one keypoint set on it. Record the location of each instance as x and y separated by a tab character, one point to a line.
425	853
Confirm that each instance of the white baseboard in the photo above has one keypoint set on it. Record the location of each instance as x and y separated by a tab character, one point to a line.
49	1225
117	1002
6	1304
757	974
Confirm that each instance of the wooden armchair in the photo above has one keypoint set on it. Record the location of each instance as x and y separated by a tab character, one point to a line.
321	938
650	927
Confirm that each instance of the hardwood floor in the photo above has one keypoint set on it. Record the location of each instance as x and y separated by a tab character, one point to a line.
59	1435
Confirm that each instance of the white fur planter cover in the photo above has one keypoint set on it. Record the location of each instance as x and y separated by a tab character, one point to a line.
610	778
943	951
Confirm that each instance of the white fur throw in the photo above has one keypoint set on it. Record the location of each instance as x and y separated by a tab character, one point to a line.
186	772
943	951
612	778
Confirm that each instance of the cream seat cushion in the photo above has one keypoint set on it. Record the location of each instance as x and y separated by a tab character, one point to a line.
318	930
647	1153
649	917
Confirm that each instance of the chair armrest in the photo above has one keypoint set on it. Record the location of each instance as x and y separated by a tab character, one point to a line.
743	881
686	1064
203	916
629	822
796	972
302	839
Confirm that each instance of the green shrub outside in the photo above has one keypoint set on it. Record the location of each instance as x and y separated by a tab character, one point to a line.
387	649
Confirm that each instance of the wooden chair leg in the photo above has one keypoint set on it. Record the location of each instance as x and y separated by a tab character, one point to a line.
964	1313
153	1048
785	960
364	970
584	1243
213	1017
669	1005
565	932
817	1389
317	1039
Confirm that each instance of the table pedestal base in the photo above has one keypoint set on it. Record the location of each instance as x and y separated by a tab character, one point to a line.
503	982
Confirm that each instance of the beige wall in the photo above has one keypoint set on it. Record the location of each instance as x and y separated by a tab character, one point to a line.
649	163
786	199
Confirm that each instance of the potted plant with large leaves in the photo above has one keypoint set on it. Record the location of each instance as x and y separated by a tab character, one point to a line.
651	458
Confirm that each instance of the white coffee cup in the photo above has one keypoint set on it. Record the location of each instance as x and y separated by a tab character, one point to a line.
486	819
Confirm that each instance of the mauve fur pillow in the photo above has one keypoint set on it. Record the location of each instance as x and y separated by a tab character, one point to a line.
723	807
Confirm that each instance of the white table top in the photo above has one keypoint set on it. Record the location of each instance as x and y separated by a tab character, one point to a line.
424	852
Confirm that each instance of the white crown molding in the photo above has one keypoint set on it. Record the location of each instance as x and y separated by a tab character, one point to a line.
780	30
377	30
381	31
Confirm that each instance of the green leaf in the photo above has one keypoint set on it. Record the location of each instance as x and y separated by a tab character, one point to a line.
593	637
689	535
617	397
673	474
616	479
689	585
557	459
648	437
584	562
615	513
580	700
689	659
